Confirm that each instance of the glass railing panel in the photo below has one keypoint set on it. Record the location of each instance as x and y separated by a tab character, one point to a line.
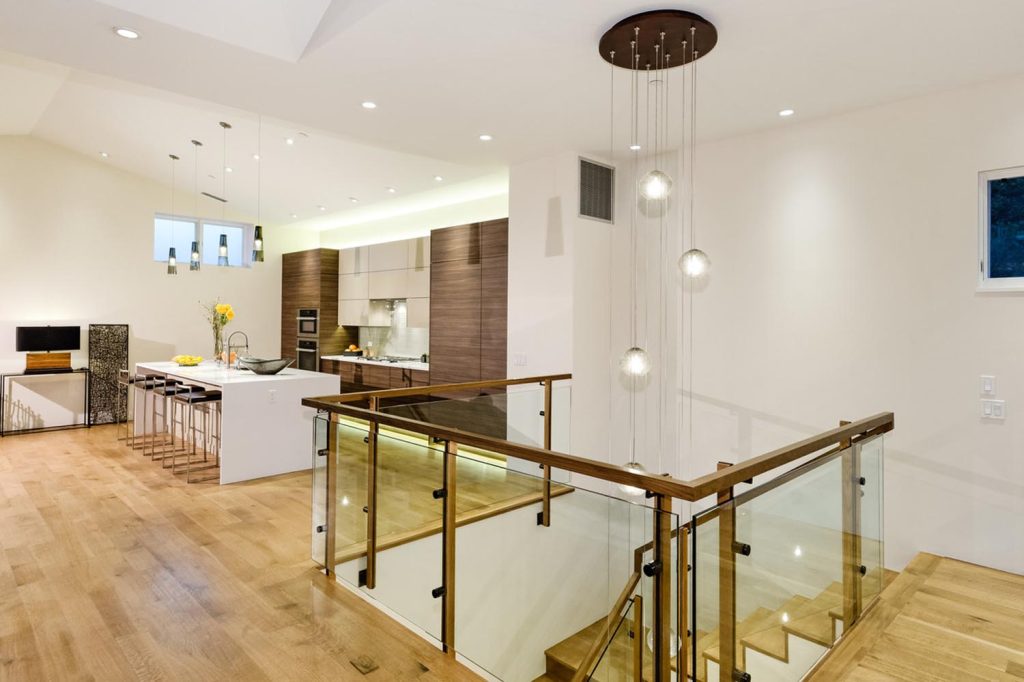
318	520
623	655
350	450
704	602
408	518
529	596
872	459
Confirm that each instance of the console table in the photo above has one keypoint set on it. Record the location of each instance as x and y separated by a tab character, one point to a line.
5	409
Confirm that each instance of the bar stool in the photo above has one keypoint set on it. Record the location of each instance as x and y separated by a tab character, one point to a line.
125	381
171	388
144	383
207	404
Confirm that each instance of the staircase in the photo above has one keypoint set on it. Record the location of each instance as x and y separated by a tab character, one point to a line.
780	644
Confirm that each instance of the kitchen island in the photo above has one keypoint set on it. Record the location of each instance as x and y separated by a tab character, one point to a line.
265	430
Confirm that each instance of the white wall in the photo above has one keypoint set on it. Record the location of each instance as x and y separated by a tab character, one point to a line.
417	223
558	285
844	258
77	240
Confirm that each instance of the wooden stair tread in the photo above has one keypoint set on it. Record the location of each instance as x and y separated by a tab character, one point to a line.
812	621
773	640
564	658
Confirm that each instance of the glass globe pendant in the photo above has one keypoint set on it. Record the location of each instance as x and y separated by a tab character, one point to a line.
695	264
637	468
655	185
635	362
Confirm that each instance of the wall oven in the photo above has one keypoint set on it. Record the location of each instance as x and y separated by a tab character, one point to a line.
307	354
308	321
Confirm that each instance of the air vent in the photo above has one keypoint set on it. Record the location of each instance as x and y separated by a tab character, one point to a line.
597	191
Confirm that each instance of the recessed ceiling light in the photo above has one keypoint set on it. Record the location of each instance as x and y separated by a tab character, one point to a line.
438	178
229	169
353	200
369	105
289	140
634	147
322	208
294	215
125	32
391	190
486	138
104	154
255	157
786	112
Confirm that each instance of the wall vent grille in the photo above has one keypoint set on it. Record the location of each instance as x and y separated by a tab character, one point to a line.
597	191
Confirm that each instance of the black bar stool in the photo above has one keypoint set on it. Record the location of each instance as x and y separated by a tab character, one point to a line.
125	381
207	405
144	383
171	388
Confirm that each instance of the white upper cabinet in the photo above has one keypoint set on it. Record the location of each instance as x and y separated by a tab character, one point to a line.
389	256
354	260
389	284
419	253
354	313
418	285
353	286
418	313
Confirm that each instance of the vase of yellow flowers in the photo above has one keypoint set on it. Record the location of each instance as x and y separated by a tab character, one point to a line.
219	314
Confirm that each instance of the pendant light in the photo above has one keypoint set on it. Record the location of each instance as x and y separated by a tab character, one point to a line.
222	248
195	260
257	239
172	257
695	264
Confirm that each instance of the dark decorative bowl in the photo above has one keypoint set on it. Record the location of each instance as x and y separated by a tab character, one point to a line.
260	366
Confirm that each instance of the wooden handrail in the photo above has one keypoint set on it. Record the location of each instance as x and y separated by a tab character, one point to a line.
386	393
691	491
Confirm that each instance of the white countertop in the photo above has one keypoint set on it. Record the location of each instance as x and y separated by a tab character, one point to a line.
209	373
405	364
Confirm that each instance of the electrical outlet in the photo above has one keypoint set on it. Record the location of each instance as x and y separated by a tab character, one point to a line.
519	360
993	409
988	384
272	396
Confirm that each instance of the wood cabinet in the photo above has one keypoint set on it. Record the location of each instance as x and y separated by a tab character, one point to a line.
405	378
309	280
469	302
376	376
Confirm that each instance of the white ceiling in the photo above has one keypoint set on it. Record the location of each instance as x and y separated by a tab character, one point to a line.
444	71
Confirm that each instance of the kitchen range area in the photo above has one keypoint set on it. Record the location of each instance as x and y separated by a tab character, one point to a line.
414	312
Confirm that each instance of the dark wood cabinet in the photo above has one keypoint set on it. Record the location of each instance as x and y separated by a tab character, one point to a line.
406	378
469	302
309	279
377	376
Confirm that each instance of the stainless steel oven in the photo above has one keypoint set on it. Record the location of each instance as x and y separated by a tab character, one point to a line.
309	321
307	354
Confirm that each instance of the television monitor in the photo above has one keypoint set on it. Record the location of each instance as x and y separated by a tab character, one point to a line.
40	339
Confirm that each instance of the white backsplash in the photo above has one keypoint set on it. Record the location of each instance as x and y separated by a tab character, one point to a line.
398	339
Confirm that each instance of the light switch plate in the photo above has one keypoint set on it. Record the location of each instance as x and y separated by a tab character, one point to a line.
993	409
988	384
519	360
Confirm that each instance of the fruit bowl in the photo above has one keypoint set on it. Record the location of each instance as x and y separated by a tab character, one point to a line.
187	360
260	366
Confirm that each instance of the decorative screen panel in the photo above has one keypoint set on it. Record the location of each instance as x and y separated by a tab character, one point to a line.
108	354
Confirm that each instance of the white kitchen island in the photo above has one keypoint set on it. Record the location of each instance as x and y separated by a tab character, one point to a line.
265	430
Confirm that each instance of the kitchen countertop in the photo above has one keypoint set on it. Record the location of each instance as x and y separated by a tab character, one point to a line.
404	364
210	373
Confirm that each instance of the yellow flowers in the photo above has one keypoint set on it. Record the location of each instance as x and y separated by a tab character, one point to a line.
187	360
220	314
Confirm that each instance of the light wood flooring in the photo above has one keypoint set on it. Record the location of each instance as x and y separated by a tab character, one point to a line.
113	569
941	619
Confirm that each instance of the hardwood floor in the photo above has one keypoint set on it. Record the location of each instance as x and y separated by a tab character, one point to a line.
941	619
112	569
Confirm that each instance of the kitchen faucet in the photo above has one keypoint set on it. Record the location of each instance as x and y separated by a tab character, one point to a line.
231	346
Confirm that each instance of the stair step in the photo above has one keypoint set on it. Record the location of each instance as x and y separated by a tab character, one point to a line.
773	640
813	620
